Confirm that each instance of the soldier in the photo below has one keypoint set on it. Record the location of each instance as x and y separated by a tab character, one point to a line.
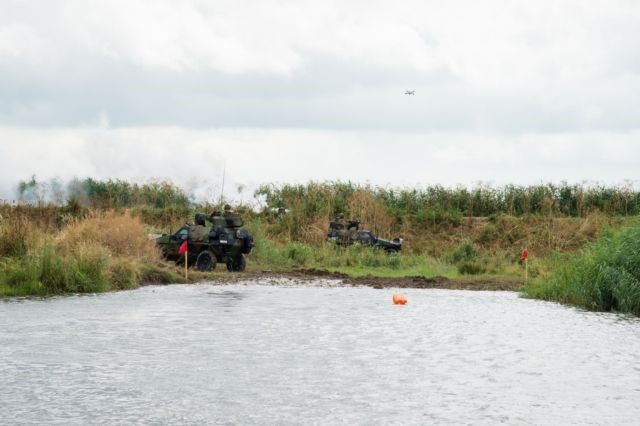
197	232
340	228
214	214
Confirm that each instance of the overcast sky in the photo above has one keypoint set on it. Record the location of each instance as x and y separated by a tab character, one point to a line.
290	91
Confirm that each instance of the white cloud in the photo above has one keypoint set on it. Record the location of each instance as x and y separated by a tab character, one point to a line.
505	91
486	44
20	41
486	66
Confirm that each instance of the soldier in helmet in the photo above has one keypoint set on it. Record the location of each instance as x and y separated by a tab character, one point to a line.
341	224
338	228
214	214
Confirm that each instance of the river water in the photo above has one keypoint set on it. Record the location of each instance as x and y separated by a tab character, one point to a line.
257	353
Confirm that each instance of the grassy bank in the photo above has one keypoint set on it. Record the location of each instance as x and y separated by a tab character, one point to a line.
99	250
102	252
354	260
463	261
97	239
604	276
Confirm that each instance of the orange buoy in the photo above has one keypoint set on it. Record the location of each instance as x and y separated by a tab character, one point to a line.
399	299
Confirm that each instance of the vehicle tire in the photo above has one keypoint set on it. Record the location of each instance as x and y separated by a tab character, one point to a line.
237	264
206	261
240	263
392	250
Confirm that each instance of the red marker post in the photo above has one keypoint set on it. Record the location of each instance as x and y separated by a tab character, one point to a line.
184	248
525	256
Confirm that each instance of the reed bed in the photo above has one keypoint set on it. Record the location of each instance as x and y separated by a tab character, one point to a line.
438	204
104	251
102	194
603	276
96	239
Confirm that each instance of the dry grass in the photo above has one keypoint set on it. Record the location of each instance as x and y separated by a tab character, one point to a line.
16	234
105	251
48	218
316	231
370	211
540	234
122	234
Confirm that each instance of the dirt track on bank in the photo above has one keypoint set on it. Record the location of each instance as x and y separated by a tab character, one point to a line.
302	275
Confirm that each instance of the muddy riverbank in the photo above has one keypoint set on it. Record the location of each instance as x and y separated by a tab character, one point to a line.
302	275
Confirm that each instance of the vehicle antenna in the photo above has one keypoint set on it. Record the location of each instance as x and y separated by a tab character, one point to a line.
224	170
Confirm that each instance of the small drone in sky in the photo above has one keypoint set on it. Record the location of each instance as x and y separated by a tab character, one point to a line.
410	92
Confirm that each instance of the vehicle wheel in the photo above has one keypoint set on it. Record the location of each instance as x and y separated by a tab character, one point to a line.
391	250
237	264
206	261
240	263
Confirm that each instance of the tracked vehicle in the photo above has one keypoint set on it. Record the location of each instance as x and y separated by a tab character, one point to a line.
347	232
218	238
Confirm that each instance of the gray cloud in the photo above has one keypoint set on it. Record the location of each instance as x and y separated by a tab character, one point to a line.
505	92
491	68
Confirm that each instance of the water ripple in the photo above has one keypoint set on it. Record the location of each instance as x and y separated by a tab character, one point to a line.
314	354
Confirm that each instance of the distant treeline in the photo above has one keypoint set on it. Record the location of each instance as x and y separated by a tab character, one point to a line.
105	194
433	202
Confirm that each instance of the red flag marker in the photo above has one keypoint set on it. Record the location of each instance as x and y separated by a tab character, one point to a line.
183	247
524	256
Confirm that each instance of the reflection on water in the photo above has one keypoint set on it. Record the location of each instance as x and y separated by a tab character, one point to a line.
261	354
226	298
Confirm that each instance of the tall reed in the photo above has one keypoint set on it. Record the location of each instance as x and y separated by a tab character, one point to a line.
604	276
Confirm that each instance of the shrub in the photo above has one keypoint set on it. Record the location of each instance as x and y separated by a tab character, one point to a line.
487	235
603	276
121	234
158	275
464	252
14	236
123	274
471	268
46	270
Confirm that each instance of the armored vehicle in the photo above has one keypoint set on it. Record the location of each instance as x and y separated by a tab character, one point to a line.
218	238
347	232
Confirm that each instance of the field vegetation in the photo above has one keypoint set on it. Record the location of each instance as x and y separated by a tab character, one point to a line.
602	276
93	235
98	251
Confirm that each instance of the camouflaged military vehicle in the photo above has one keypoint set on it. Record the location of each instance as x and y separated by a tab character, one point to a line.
218	238
347	232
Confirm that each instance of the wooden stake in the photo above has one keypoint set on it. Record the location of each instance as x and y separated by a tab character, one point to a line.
526	270
186	253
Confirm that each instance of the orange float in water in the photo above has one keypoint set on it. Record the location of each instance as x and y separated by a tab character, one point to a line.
399	299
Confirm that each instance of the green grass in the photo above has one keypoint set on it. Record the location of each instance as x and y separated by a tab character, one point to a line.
604	276
439	205
431	268
360	260
45	270
152	274
102	250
